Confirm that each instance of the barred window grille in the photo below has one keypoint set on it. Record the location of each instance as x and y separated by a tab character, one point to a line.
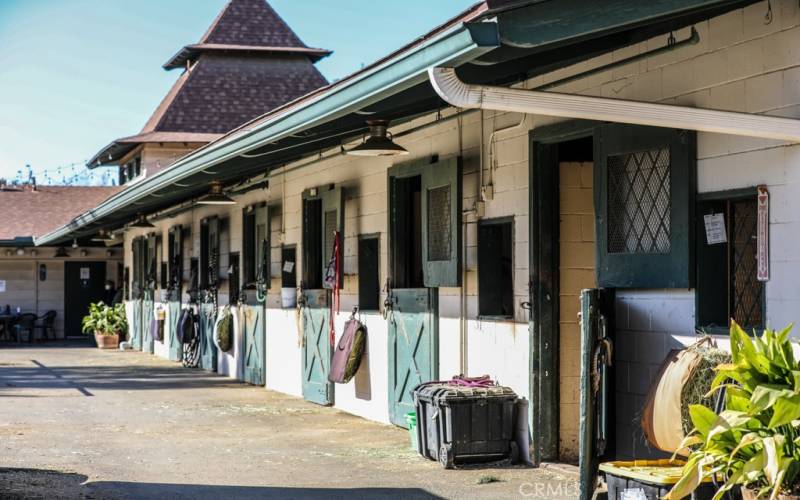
439	223
639	202
747	293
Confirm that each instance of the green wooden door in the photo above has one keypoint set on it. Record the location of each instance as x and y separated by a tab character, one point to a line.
208	349
597	306
175	347
135	328
253	329
147	320
316	348
413	344
175	275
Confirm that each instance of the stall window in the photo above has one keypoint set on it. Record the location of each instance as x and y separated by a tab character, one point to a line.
495	268
727	283
369	289
425	224
323	213
289	267
255	249
644	206
233	279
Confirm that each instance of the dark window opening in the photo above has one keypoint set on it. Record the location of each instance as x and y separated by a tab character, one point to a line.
312	244
369	289
289	267
233	279
495	269
248	246
727	283
407	233
194	279
204	256
576	150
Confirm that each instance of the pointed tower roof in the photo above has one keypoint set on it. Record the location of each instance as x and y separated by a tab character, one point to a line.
247	26
247	63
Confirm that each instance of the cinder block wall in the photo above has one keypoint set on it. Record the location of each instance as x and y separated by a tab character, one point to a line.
740	64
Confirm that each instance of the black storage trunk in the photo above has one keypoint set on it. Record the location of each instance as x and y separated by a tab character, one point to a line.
461	424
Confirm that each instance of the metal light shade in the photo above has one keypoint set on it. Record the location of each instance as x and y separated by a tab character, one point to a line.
103	236
379	142
141	221
216	196
61	252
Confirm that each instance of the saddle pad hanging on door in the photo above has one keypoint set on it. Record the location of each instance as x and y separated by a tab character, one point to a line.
348	353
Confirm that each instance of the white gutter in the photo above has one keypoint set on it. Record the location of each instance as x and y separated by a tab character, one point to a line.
462	95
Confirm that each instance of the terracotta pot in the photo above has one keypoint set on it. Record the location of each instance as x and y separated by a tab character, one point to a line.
106	341
748	494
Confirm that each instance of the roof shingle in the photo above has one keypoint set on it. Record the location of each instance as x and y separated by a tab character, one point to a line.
28	213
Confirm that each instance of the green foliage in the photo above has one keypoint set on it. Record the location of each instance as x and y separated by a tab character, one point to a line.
755	442
105	320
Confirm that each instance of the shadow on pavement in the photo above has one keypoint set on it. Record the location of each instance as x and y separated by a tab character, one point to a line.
17	484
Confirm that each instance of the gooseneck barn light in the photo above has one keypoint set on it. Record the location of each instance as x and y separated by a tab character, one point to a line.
141	221
61	252
103	235
379	142
216	196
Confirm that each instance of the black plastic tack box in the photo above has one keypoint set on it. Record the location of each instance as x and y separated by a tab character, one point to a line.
463	424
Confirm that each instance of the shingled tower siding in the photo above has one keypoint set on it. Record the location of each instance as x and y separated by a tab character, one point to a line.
247	63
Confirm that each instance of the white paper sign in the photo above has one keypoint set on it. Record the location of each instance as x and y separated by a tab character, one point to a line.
2	286
84	273
288	266
715	229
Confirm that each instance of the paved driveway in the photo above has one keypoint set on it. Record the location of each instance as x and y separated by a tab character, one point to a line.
76	422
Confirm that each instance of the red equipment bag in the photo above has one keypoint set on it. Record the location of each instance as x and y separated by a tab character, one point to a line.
348	353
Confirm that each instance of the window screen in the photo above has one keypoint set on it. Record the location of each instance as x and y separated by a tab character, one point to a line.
439	224
639	202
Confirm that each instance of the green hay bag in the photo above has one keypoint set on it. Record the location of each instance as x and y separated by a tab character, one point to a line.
224	332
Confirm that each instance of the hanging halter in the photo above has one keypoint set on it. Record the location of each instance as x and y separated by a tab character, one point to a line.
333	275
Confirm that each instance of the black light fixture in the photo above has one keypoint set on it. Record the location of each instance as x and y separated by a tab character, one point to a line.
141	221
379	142
61	252
103	235
215	196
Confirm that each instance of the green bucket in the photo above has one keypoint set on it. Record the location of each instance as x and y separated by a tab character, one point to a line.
411	420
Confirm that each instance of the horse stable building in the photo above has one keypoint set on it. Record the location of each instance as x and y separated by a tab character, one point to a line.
522	163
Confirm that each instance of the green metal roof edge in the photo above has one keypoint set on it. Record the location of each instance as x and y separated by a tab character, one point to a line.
461	43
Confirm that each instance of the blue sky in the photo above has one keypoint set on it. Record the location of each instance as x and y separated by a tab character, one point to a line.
76	74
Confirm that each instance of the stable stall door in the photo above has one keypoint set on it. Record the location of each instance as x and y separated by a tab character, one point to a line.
256	279
323	217
424	246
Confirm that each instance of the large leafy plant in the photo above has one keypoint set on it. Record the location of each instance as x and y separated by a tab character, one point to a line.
755	442
105	320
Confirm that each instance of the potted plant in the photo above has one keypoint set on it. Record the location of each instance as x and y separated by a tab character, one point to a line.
754	444
106	323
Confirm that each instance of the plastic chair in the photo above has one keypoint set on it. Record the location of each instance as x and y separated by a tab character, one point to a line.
47	324
25	323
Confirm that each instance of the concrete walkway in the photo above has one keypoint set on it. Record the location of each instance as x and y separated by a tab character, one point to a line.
76	422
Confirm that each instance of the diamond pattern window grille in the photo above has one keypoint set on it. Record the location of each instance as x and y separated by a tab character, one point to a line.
439	243
747	293
639	202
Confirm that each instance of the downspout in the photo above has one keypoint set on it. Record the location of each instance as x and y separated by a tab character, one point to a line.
463	95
